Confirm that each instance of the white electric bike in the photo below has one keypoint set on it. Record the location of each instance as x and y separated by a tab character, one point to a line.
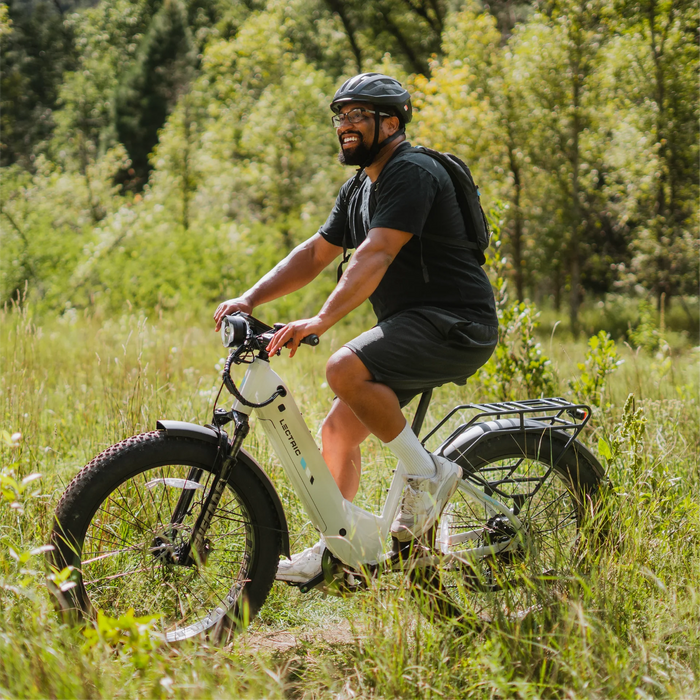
183	522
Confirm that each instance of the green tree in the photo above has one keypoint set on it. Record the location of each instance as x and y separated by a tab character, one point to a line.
664	77
289	169
36	48
47	226
107	37
473	105
559	55
164	68
176	162
262	132
5	21
410	30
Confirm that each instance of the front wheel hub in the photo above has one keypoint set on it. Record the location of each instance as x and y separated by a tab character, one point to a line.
163	551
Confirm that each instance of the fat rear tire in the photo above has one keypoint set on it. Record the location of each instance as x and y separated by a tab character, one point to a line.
561	500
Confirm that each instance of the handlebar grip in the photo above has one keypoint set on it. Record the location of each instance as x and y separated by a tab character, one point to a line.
310	340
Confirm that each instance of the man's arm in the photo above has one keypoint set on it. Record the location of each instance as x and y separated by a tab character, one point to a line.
362	277
299	268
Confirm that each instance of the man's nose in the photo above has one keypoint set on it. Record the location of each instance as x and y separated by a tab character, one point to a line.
347	126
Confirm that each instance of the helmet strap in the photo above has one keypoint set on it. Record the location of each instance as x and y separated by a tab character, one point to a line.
357	181
376	146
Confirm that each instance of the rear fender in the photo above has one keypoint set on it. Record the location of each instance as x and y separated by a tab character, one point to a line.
200	432
464	446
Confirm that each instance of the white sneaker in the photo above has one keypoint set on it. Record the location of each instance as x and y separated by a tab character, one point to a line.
424	498
303	565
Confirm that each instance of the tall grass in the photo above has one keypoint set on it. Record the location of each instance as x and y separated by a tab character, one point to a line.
627	624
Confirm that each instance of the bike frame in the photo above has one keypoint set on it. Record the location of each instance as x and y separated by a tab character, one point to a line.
355	536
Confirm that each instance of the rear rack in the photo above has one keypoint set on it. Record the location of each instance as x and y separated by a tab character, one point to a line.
551	413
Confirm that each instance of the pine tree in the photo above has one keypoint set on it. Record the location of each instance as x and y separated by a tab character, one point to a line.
164	68
35	52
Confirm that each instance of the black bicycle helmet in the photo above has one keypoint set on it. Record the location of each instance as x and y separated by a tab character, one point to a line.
377	89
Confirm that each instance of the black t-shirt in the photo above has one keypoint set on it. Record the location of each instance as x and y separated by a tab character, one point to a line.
414	193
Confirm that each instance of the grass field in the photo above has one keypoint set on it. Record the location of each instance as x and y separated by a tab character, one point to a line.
627	625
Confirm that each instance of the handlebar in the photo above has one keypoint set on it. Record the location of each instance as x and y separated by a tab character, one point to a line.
239	328
245	335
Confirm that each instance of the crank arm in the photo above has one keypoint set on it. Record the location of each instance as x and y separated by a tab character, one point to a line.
309	585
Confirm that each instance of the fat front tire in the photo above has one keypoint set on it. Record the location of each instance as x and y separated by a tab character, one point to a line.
113	525
553	502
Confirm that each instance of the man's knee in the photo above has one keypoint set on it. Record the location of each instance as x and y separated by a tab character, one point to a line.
345	371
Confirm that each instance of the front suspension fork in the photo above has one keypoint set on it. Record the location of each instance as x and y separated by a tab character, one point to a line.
194	551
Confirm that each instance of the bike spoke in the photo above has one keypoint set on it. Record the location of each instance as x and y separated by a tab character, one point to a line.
550	505
120	504
91	559
120	547
112	535
543	502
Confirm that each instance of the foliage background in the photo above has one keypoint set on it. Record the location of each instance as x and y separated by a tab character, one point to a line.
160	153
157	156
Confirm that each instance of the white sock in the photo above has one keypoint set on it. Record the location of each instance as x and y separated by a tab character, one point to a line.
406	446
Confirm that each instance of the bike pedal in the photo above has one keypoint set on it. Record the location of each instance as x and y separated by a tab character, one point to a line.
312	583
401	551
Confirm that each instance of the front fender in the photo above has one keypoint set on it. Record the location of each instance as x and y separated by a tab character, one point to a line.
200	432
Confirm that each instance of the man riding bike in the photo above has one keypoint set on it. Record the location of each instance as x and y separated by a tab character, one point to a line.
436	317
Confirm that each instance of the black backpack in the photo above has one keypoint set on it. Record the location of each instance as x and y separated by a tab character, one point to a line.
468	198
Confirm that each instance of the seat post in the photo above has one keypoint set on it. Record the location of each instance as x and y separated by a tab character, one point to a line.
421	411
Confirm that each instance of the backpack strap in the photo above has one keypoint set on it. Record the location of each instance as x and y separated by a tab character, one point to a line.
356	183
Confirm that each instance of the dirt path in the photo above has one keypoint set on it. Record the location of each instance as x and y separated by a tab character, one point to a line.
284	640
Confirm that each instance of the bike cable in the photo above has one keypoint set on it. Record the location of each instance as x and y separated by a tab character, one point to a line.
228	383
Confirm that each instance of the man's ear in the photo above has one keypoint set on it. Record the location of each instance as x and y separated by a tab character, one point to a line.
394	124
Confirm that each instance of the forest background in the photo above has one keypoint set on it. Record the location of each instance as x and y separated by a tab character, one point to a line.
165	153
157	156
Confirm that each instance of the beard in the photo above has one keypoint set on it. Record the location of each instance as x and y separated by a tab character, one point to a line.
357	156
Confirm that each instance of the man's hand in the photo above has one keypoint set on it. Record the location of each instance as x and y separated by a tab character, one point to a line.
293	333
228	307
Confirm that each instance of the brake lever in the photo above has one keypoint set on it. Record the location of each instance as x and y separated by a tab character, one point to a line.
264	340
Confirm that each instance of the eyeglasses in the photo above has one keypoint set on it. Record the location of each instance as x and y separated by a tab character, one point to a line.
354	116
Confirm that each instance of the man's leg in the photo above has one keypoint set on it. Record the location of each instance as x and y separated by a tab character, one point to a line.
365	406
377	408
342	435
374	404
430	480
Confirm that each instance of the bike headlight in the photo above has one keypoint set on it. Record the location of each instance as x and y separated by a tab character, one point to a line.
234	331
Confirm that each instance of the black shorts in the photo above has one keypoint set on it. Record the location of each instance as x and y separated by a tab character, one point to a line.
420	349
